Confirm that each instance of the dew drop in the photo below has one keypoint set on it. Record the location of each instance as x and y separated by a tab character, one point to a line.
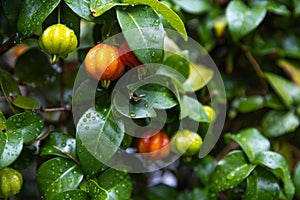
132	114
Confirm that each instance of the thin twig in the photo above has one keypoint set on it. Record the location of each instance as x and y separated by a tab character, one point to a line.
65	108
7	45
255	65
67	154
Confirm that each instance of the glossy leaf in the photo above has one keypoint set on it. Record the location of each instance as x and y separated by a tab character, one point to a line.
178	63
117	184
9	87
32	14
296	179
71	194
251	141
277	164
58	175
100	133
248	104
286	90
273	6
161	8
70	19
292	71
98	7
276	123
28	124
158	96
199	76
64	142
195	194
33	67
147	40
261	185
230	171
89	164
192	108
26	103
137	110
95	191
205	168
11	145
194	6
242	19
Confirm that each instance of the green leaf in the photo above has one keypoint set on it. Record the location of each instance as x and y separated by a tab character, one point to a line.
137	110
11	10
71	194
11	145
2	121
98	7
205	168
192	108
248	104
9	87
58	175
242	19
277	164
161	192
89	164
117	184
178	63
296	7
230	171
61	140
158	96
33	67
100	132
26	103
28	124
195	194
291	70
32	14
286	90
276	123
199	77
296	179
194	6
261	185
148	37
95	191
273	6
161	8
251	141
70	19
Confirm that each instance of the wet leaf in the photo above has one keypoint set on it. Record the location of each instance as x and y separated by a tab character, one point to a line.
230	171
148	38
117	184
276	123
89	164
61	140
261	185
2	121
95	191
32	14
292	71
98	7
58	175
296	179
192	108
161	191
100	132
194	6
277	164
11	145
242	19
251	141
248	104
71	194
205	168
28	124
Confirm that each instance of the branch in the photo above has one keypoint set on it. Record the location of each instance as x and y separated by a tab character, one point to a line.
7	45
67	154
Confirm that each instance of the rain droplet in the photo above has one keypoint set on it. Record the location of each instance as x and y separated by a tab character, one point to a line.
156	22
69	1
69	180
88	115
230	175
132	114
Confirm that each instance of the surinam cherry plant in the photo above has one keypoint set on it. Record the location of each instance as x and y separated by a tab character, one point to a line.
116	99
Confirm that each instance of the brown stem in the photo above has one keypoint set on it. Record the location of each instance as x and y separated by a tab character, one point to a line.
67	154
255	65
7	45
65	108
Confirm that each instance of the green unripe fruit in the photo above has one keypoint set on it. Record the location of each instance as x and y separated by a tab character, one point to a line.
186	142
209	112
58	40
10	182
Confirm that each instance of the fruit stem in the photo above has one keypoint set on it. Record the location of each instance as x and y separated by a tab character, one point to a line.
105	84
